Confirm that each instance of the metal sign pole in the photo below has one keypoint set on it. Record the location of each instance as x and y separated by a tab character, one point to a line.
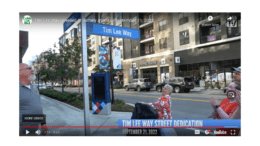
111	69
85	74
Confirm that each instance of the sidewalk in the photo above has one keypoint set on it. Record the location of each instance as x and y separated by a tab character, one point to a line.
62	114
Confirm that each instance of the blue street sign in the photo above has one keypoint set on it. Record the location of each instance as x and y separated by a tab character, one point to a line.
71	20
112	31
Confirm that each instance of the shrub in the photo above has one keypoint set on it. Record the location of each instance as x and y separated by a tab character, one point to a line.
120	102
212	87
218	87
120	107
117	86
72	99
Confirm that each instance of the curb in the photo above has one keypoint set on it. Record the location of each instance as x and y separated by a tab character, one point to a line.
70	106
130	104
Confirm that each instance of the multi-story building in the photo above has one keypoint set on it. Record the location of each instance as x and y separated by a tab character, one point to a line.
205	47
182	44
198	45
152	55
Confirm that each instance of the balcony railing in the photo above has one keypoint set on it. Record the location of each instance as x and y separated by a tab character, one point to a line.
145	21
209	38
147	52
147	36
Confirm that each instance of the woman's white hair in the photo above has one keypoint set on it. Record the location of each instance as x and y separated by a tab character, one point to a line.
169	88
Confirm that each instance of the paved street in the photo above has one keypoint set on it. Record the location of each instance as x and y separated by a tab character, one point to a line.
192	105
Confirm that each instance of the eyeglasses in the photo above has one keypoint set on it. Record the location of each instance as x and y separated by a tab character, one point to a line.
29	68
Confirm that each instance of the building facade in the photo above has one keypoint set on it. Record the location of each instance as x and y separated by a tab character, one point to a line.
183	44
212	49
23	44
203	46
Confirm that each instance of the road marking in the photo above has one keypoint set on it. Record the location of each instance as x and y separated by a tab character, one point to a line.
171	98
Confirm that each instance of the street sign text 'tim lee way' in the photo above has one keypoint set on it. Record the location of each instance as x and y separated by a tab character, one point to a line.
112	31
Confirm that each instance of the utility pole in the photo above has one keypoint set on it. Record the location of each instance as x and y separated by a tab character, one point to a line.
111	69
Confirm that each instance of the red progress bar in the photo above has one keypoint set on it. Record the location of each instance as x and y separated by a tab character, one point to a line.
121	127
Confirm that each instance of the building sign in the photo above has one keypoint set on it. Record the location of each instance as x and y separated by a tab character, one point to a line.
177	60
103	57
148	63
70	21
117	58
163	61
112	31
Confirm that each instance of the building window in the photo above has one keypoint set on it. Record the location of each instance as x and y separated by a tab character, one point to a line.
61	41
150	17
233	25
183	18
204	16
93	40
134	21
184	37
64	40
162	25
150	32
163	43
210	32
79	29
72	34
120	43
151	49
118	16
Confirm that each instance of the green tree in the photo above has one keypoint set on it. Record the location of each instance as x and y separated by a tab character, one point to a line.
74	52
69	60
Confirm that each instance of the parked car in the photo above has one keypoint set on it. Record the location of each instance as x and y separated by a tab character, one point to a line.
139	84
178	84
57	85
49	86
42	86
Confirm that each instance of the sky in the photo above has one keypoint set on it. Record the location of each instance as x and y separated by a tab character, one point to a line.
44	31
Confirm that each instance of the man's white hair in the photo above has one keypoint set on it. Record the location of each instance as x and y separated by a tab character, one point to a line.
169	88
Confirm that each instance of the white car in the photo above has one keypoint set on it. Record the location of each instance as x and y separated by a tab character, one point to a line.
49	86
42	86
57	85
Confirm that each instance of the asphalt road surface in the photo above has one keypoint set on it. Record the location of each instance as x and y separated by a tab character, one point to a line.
192	105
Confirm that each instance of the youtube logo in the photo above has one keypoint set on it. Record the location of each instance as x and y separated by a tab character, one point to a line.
207	131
